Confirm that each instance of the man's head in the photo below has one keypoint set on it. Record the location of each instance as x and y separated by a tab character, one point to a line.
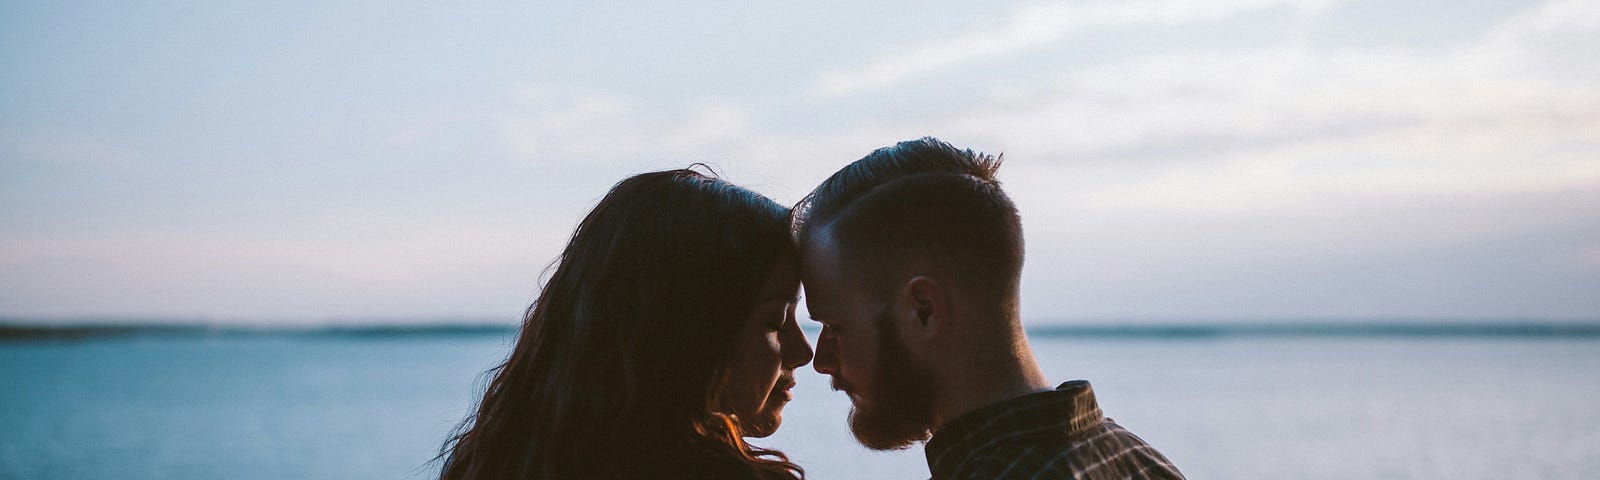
903	250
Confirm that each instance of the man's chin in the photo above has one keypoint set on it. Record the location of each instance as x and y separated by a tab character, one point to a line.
881	432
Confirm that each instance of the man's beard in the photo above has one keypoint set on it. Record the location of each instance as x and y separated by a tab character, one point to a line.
900	411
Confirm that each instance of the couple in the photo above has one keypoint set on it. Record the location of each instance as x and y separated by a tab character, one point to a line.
667	334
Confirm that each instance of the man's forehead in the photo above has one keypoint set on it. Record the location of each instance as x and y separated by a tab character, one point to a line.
819	254
818	237
819	268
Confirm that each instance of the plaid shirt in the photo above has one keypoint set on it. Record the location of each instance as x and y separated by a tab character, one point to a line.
1055	434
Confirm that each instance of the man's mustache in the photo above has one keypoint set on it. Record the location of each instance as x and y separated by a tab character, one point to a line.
839	384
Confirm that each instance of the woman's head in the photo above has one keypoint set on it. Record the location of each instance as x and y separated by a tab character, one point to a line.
767	349
640	346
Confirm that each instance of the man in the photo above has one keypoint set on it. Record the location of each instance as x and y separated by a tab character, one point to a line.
912	258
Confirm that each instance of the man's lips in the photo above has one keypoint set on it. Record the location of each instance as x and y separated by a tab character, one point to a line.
839	384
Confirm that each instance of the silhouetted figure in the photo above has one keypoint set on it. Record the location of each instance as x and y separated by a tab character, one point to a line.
912	261
665	335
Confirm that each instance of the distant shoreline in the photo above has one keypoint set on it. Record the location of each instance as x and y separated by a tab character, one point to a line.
1398	329
96	331
23	330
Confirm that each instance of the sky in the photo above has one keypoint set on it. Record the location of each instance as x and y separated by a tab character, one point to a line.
351	161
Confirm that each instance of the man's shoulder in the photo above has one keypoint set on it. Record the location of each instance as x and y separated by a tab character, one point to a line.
1059	433
1001	462
1106	451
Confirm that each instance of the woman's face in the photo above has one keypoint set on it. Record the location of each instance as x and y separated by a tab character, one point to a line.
768	348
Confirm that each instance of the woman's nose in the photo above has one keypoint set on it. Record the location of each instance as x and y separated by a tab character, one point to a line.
796	350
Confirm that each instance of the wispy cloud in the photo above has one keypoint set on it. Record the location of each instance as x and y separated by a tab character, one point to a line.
1289	122
1242	157
553	125
331	263
1293	172
45	147
1031	27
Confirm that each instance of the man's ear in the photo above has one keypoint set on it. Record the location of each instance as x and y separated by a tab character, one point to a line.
923	305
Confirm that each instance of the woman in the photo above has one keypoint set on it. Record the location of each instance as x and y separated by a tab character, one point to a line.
664	337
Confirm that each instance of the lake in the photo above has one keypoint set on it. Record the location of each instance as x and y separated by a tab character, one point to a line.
377	406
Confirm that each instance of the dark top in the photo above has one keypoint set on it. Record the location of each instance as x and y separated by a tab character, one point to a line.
1055	434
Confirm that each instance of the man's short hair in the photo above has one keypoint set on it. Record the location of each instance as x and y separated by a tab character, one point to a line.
920	203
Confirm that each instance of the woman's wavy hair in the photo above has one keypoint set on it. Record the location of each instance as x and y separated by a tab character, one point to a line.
620	364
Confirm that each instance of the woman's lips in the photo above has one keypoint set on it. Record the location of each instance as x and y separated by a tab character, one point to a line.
782	390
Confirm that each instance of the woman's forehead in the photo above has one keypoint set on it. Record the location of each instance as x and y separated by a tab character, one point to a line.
784	280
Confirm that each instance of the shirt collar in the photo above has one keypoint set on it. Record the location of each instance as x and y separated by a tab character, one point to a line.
1070	408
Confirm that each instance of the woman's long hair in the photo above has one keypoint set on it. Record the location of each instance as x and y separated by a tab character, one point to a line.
619	367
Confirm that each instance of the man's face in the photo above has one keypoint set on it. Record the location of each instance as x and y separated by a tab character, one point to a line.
862	351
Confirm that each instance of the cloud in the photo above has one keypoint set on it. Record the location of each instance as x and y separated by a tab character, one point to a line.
1556	39
1282	178
1031	27
333	263
1226	131
63	148
551	124
1261	177
1587	257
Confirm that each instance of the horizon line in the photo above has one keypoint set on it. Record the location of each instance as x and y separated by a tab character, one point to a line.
20	329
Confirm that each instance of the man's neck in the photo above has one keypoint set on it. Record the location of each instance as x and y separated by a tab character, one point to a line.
974	385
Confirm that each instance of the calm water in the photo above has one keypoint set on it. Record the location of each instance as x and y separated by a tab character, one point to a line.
349	408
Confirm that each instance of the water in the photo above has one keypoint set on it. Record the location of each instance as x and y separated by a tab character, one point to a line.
351	407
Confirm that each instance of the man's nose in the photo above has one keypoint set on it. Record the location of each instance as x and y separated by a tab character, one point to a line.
826	360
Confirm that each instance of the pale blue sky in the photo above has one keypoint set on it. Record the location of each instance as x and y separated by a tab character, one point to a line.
1240	159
